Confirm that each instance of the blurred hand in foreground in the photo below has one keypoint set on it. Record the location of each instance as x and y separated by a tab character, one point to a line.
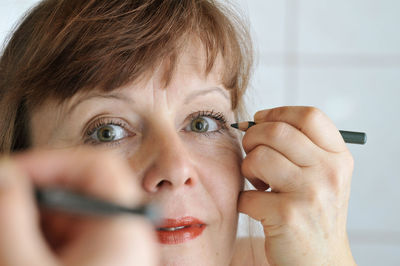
46	238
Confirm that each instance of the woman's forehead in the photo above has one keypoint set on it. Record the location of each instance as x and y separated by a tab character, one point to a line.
187	78
188	83
187	74
191	64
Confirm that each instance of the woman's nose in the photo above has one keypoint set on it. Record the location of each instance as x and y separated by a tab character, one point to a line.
171	168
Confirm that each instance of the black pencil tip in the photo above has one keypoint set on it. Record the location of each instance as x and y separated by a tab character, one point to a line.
235	125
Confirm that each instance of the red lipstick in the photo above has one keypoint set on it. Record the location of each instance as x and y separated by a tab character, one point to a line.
177	231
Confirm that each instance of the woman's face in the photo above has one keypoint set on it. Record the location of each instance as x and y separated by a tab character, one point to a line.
178	142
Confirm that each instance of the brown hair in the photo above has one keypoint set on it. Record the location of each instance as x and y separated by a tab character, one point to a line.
65	46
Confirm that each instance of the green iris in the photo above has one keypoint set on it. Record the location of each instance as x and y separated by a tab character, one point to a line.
106	134
199	125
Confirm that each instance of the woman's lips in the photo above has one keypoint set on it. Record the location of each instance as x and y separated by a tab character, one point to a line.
177	231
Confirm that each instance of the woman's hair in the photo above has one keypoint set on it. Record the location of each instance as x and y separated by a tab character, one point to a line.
62	47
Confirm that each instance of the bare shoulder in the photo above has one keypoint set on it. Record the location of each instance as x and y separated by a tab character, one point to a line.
249	251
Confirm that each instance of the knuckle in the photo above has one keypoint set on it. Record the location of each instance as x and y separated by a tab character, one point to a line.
247	199
246	141
247	167
244	168
276	113
251	138
257	156
339	173
277	131
252	161
311	115
332	177
259	115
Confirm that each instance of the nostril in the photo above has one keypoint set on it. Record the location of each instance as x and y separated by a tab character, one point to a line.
163	183
160	184
189	182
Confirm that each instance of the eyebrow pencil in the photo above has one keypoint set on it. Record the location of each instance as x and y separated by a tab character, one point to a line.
68	201
348	136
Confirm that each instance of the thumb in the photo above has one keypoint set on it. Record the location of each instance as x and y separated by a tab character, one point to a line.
21	242
262	206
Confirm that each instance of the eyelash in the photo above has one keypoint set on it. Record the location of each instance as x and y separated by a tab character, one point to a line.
99	124
217	116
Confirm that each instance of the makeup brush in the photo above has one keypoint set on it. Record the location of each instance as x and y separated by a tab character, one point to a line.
348	136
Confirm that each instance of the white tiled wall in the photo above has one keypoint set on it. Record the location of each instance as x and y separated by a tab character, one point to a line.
351	27
342	56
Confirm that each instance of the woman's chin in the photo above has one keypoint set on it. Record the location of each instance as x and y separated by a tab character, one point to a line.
197	251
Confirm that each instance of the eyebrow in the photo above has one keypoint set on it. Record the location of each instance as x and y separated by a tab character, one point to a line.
122	97
117	96
193	95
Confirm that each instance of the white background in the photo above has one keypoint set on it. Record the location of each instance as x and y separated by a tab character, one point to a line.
343	57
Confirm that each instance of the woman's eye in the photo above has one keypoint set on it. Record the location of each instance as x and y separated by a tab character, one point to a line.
202	124
109	133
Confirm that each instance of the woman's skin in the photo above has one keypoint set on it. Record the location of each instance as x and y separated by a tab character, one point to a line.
296	150
190	173
301	155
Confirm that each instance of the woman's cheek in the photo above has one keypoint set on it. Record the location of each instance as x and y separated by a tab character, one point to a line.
220	165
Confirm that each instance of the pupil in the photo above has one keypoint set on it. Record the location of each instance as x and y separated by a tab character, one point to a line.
106	134
199	125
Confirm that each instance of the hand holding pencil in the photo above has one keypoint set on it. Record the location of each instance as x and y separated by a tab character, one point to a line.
300	155
61	238
348	136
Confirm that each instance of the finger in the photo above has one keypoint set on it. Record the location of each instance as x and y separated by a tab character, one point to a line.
311	121
85	170
91	240
20	240
262	206
123	240
284	138
272	168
